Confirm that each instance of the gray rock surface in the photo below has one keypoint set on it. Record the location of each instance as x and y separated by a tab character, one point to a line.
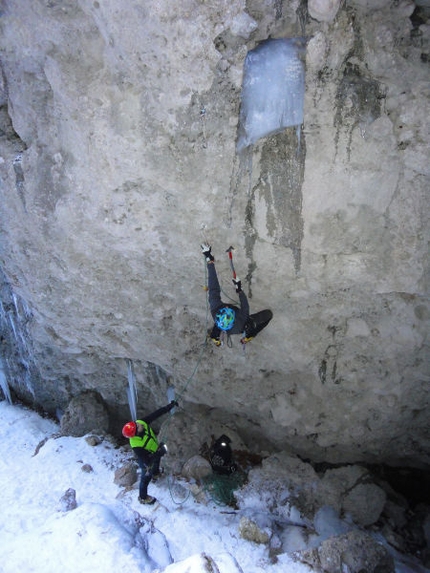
349	491
354	552
250	530
365	503
68	501
85	412
323	10
196	468
117	158
126	475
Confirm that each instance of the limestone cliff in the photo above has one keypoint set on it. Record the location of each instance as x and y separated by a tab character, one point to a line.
118	130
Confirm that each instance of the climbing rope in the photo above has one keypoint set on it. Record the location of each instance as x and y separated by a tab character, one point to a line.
170	479
220	488
204	345
203	120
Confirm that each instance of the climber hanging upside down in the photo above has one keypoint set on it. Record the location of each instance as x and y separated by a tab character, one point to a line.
228	317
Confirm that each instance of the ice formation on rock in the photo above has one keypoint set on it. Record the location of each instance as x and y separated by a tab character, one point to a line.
272	90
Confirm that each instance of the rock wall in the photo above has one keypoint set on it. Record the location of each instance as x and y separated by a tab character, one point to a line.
118	126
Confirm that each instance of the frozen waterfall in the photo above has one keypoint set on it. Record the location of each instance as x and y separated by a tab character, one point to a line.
4	383
132	390
272	90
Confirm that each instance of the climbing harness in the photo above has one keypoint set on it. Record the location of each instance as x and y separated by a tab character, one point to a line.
224	337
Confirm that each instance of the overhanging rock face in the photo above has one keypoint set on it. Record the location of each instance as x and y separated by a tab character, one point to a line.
118	132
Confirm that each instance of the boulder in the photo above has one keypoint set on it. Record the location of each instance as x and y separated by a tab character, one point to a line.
196	468
323	10
251	531
354	552
365	503
126	475
85	413
87	468
351	489
68	501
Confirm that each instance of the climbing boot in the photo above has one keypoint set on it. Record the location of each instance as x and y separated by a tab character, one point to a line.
246	339
148	500
214	339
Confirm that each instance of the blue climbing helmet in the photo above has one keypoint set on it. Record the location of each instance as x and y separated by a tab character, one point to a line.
224	318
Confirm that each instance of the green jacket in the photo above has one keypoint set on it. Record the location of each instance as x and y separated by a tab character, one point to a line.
147	443
148	440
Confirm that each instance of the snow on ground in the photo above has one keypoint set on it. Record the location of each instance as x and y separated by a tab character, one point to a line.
109	530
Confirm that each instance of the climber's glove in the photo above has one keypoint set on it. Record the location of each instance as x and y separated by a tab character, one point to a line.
206	250
238	284
173	404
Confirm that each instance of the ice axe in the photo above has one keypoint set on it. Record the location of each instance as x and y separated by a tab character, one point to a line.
230	256
171	393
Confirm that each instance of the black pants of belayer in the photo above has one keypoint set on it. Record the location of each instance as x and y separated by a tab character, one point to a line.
149	468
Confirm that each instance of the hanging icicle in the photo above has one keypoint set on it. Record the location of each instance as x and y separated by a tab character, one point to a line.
132	390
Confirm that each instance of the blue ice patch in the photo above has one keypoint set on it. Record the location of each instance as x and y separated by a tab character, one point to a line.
273	89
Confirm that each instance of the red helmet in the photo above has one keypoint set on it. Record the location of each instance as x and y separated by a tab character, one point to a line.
129	430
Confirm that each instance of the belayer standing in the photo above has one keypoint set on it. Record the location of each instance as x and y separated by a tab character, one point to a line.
221	456
229	317
147	449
